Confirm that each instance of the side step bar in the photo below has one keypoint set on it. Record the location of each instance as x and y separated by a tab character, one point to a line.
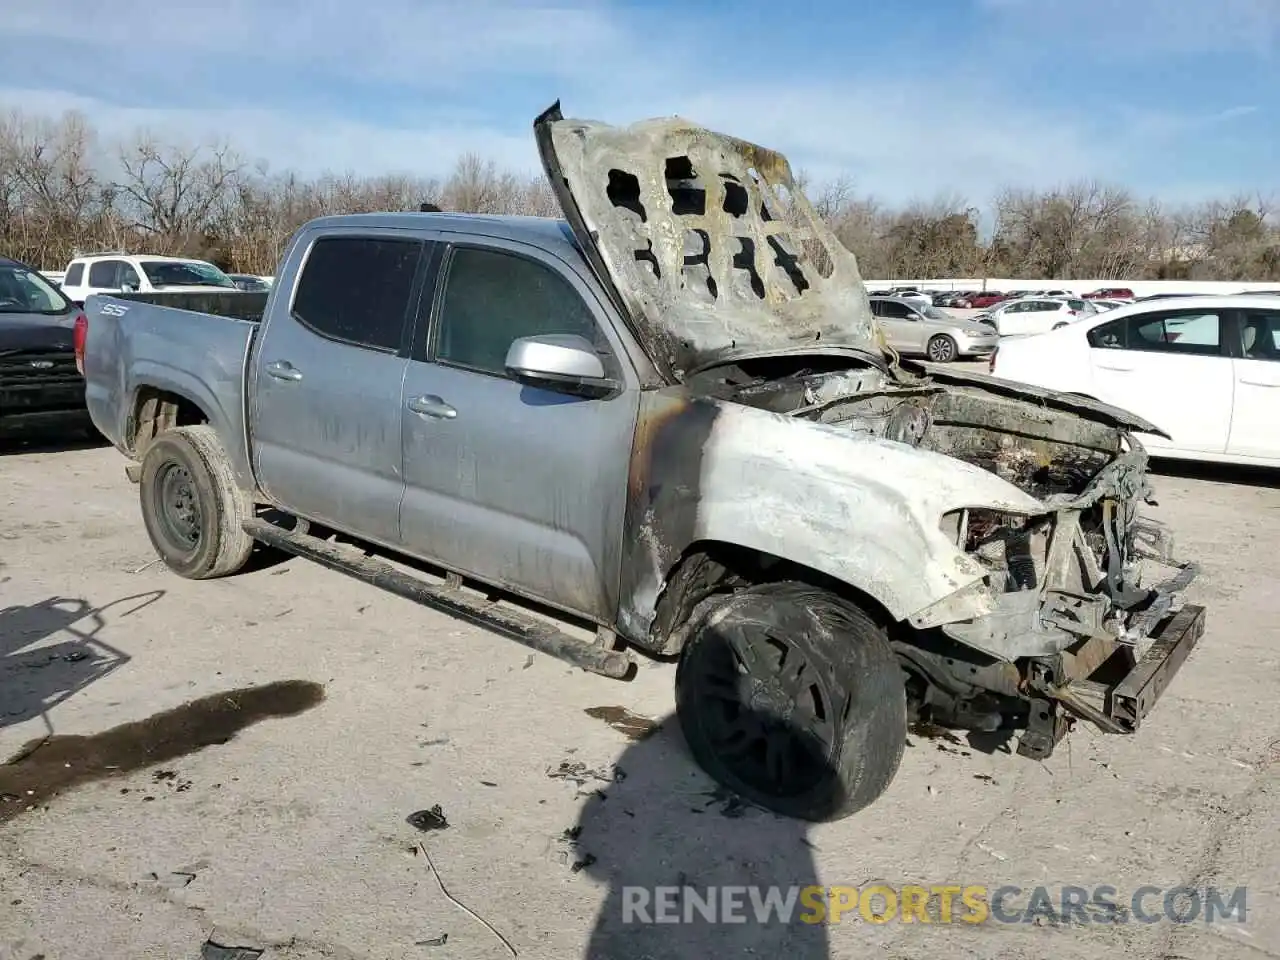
542	637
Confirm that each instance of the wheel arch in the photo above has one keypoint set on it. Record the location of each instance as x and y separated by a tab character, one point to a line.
156	409
709	568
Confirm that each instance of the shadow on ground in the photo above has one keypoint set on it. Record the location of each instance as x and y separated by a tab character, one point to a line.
664	824
76	435
36	676
1216	472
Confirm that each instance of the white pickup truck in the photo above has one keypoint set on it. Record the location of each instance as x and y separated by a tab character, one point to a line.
129	273
671	419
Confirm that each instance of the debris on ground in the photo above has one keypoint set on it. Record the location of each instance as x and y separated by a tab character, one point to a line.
173	880
439	941
462	906
582	775
217	951
731	805
633	726
428	820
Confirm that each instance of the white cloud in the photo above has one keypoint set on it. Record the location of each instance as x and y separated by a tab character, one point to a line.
469	75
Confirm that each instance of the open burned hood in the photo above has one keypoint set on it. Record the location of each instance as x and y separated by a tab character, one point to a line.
705	242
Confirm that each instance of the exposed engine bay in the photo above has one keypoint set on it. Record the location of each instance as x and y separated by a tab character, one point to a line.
1065	587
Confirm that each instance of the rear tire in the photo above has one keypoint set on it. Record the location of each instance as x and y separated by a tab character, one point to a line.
191	505
941	349
792	697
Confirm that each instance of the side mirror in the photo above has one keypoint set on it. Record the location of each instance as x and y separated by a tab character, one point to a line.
564	362
129	287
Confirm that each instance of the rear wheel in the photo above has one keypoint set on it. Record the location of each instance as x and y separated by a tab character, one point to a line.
941	349
792	697
191	505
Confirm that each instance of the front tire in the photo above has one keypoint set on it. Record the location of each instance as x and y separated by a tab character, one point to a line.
191	505
792	697
941	349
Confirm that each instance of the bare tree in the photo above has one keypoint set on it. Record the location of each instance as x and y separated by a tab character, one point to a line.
59	195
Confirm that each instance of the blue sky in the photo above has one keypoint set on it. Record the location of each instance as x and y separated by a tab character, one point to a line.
1177	98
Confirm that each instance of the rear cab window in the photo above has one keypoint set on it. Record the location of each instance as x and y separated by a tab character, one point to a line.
75	275
359	290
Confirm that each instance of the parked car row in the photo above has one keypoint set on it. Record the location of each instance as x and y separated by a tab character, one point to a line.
1206	370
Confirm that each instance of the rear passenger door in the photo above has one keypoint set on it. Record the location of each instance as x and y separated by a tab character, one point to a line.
1171	367
1255	417
326	415
516	485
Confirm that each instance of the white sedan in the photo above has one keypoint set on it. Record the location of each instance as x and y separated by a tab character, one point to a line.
1029	315
1205	370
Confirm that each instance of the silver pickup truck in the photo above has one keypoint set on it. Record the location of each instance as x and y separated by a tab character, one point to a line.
668	422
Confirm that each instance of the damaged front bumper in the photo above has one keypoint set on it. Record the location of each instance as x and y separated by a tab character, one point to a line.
1071	632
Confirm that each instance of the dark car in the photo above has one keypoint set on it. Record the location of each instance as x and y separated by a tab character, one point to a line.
246	281
39	381
1110	293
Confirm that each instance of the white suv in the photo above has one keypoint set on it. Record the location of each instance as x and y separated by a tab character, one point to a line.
118	272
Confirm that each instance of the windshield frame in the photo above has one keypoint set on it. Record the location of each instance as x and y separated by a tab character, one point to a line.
41	282
197	267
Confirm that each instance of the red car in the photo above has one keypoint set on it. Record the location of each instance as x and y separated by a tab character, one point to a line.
988	298
1110	293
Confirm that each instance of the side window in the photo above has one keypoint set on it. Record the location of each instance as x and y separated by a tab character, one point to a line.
75	274
357	290
893	310
1108	336
877	308
1197	334
492	298
1016	308
1260	335
103	274
1043	306
128	276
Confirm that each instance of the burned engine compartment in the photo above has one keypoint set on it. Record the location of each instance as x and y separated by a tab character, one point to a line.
1042	451
1076	558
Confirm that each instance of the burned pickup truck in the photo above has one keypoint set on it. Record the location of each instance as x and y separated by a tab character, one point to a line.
668	423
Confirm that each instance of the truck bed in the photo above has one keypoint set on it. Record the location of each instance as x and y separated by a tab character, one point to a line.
191	345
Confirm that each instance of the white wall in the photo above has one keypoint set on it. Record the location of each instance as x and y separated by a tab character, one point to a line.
1140	288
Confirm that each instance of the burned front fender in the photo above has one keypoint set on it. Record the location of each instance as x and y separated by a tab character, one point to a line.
863	511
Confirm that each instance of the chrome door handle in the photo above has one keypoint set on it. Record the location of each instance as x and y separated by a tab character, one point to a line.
283	370
1108	366
432	406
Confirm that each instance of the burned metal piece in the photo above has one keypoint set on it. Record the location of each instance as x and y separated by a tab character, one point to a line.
706	242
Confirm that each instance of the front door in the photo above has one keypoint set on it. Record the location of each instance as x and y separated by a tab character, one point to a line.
516	485
1255	416
1170	367
326	405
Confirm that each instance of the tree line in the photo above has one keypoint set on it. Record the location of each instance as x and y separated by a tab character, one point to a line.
64	190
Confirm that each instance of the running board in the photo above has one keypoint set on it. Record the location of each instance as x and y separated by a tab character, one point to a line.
445	597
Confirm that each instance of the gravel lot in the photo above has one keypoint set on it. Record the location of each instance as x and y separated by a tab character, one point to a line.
292	836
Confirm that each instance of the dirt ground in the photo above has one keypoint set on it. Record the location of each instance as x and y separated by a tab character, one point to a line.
291	835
